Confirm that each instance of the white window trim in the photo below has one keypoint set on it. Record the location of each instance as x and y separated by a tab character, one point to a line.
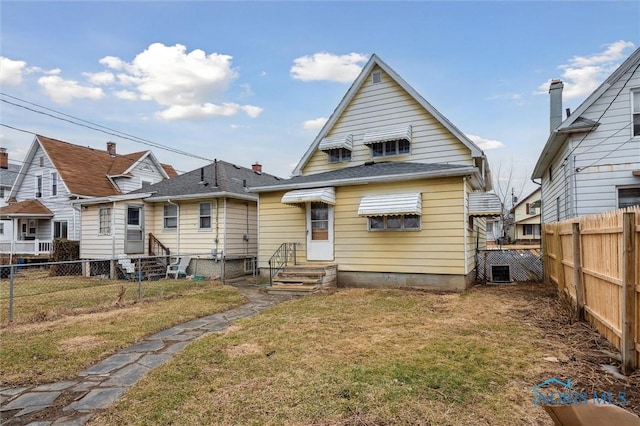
618	188
37	177
57	180
165	217
634	92
200	216
384	155
402	229
109	217
343	157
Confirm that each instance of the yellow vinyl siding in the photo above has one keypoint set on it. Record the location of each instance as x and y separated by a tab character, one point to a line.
193	240
387	104
279	223
437	249
241	220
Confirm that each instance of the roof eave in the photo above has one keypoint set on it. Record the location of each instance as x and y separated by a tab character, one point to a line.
472	171
208	195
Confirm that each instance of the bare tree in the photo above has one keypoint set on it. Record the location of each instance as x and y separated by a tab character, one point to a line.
509	191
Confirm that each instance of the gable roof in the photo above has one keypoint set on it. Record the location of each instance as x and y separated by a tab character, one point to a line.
86	171
385	171
219	178
353	90
535	193
575	122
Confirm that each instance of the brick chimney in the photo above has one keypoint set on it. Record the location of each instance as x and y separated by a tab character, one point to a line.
257	167
111	148
555	104
4	158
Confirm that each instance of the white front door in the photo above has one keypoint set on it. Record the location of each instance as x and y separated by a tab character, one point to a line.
319	231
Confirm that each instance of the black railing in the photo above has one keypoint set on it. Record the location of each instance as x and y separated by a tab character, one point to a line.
286	254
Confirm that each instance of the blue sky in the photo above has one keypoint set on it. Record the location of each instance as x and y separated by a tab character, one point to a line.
253	81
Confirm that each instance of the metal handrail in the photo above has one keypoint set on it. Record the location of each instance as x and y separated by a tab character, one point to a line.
285	254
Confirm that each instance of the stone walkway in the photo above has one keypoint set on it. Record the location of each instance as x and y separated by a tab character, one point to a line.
74	402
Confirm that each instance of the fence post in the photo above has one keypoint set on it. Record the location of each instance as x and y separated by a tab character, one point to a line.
545	255
577	269
627	346
139	275
559	266
11	274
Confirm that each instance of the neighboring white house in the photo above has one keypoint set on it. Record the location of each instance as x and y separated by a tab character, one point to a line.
591	161
53	174
526	219
8	175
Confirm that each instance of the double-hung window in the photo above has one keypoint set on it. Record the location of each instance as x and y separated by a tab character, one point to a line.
205	216
636	112
60	229
39	186
170	216
54	184
105	221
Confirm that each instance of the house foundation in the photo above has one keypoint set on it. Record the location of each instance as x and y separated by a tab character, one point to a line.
434	282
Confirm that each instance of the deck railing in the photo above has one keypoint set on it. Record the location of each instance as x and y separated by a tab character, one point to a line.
156	248
31	247
284	255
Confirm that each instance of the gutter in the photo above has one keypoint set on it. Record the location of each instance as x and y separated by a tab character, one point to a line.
222	194
370	179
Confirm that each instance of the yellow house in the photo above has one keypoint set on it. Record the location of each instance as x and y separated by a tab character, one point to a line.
206	215
381	195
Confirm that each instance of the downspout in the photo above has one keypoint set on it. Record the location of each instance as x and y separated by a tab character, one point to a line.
217	225
113	229
224	243
464	222
177	225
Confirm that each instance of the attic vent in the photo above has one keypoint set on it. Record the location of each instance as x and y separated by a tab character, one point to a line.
376	77
500	273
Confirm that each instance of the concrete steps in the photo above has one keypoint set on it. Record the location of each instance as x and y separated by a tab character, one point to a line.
299	279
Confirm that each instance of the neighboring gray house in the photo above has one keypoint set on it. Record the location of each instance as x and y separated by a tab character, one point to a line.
591	161
8	175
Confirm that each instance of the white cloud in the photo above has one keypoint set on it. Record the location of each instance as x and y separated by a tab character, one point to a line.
326	66
484	143
514	97
207	110
11	71
64	91
184	82
100	78
314	124
252	111
127	95
583	74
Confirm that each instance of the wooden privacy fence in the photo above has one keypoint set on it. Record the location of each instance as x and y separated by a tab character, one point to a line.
595	262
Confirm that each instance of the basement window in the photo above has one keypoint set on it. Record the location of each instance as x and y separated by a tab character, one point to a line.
500	273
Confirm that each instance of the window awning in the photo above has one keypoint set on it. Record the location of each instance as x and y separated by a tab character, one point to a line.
484	204
336	142
391	133
326	195
390	204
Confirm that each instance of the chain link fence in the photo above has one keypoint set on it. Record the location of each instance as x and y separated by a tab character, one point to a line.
33	292
509	265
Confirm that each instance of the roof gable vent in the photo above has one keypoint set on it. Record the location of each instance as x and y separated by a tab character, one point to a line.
376	77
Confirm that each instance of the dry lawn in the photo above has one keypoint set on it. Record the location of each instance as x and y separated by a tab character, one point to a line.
378	357
47	351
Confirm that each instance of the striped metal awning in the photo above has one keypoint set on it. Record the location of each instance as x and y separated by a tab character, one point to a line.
484	204
390	204
390	133
326	195
336	142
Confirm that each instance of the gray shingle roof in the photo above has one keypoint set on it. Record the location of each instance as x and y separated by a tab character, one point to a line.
9	176
230	179
368	170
